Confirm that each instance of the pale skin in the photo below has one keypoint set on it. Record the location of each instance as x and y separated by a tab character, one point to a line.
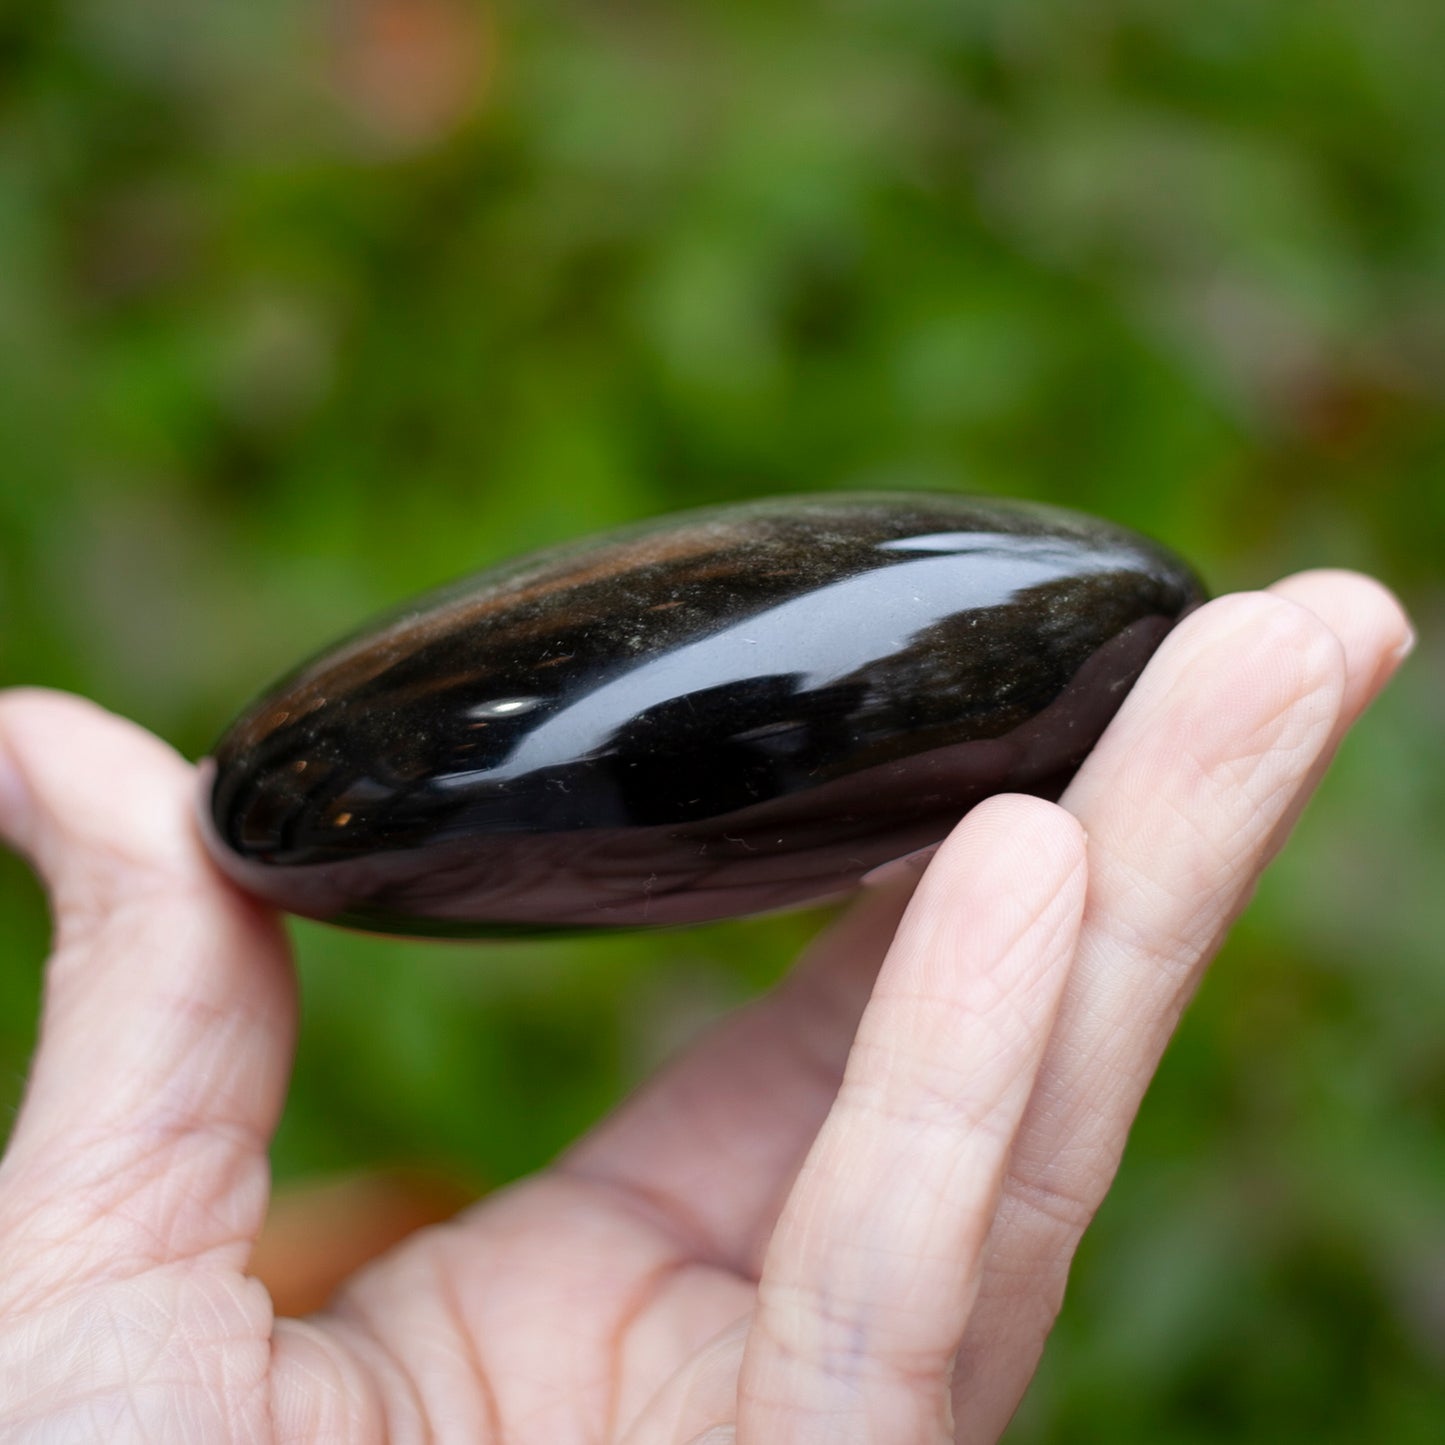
846	1217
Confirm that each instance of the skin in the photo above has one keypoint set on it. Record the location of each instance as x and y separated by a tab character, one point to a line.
846	1216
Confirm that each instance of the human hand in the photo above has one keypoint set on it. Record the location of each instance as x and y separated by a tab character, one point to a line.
846	1216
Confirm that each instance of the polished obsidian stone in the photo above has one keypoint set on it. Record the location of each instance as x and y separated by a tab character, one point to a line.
717	713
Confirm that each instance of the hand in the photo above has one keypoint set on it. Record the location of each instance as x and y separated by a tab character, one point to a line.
847	1216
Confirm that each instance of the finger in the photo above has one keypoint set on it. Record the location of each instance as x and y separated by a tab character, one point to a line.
167	1024
713	1142
870	1276
1183	801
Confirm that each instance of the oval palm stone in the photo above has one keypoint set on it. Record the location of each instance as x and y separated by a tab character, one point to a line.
717	713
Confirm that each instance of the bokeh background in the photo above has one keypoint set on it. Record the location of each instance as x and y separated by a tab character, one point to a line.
306	307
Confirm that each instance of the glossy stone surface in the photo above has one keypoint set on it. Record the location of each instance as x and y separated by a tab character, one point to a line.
718	713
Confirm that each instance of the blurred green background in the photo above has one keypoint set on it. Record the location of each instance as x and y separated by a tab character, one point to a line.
303	308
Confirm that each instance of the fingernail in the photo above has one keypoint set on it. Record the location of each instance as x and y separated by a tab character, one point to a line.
911	865
1405	648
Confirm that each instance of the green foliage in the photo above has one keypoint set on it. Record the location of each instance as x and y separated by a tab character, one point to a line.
277	350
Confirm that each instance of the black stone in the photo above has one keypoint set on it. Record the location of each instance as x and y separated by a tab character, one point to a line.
717	713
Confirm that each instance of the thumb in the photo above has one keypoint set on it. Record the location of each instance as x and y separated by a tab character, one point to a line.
168	1020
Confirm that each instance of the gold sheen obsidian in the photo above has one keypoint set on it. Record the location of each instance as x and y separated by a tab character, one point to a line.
716	713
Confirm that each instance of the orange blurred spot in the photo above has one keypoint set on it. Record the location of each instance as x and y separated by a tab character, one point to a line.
411	71
317	1234
1341	414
